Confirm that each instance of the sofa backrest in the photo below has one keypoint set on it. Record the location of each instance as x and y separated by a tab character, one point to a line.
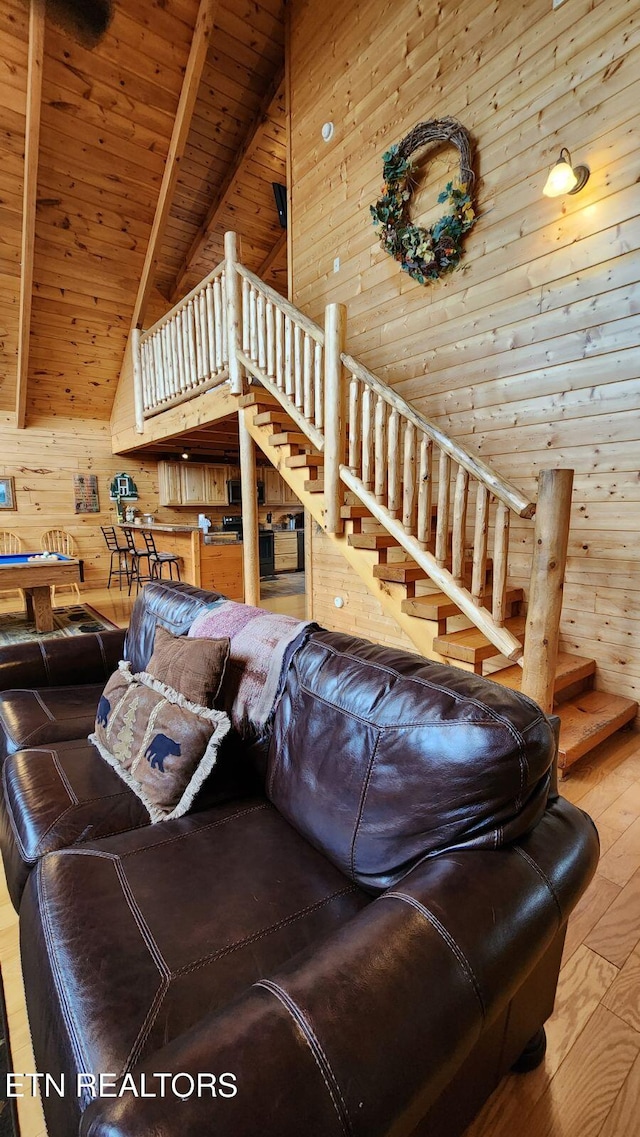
381	758
174	605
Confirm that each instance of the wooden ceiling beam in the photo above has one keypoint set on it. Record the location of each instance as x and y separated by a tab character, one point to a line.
188	95
272	256
29	199
244	154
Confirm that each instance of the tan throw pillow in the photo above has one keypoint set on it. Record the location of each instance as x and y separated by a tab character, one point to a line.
196	674
161	744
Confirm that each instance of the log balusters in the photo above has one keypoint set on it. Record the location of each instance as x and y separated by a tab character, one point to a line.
184	353
284	350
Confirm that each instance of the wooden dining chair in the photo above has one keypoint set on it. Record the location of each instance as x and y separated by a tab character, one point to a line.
9	544
59	541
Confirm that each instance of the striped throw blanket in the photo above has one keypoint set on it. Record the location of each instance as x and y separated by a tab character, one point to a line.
262	645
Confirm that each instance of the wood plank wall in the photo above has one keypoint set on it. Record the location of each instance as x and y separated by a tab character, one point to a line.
43	460
14	35
529	355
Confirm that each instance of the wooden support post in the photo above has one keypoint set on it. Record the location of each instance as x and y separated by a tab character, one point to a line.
546	583
234	312
138	392
250	538
335	416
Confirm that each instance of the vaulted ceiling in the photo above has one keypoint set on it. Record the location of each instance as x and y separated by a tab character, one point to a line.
107	118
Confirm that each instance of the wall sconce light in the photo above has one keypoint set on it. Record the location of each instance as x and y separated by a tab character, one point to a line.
565	178
185	455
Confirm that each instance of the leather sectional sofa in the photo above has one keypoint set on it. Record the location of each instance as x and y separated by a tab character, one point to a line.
356	931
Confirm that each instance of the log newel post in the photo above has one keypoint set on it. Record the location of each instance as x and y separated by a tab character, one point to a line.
546	583
138	393
250	538
234	312
335	414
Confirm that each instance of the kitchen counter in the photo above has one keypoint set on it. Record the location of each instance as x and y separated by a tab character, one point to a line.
157	527
212	562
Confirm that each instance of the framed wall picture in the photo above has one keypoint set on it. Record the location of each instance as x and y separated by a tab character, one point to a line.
85	493
7	493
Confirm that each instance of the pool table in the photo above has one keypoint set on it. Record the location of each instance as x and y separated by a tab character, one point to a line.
35	578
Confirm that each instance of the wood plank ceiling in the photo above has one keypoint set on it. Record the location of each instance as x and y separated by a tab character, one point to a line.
106	122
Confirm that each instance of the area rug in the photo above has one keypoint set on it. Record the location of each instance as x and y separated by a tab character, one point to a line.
8	1113
15	628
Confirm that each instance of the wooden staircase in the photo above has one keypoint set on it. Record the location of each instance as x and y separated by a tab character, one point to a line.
425	523
426	614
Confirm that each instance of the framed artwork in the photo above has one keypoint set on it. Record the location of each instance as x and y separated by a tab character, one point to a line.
7	493
85	493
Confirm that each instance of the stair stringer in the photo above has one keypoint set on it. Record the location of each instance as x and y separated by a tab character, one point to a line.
421	632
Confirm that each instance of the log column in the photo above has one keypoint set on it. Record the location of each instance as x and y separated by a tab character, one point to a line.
546	584
250	538
335	414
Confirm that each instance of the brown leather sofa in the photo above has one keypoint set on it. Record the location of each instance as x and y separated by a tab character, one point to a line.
355	933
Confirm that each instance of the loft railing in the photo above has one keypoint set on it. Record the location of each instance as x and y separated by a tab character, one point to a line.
186	352
399	463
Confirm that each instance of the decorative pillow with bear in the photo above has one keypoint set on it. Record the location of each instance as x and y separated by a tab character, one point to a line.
160	743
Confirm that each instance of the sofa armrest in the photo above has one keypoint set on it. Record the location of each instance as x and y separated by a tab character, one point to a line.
61	662
371	1026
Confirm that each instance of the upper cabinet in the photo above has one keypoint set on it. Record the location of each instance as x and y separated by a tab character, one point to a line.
273	485
194	484
191	484
198	486
169	484
216	484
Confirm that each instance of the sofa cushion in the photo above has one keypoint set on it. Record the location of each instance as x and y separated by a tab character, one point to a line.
47	714
160	744
195	669
57	796
175	921
381	758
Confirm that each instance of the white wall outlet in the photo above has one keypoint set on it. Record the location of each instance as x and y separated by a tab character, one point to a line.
336	264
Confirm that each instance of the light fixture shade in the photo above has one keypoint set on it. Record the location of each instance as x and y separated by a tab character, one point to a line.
561	180
565	178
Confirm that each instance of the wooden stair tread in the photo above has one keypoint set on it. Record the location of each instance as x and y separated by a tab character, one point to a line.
299	461
401	572
438	606
274	417
354	512
258	397
289	438
314	485
587	719
570	669
372	541
471	645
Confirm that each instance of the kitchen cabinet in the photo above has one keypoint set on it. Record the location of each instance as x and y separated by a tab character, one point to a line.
215	485
169	486
192	484
273	485
289	496
286	550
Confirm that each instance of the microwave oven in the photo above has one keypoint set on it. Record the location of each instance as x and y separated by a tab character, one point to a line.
234	492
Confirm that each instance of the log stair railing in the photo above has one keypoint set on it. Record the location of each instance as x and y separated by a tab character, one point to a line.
423	522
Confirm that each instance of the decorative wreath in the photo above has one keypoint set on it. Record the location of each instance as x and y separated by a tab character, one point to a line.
426	254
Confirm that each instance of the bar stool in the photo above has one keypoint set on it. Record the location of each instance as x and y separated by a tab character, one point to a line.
121	554
157	560
137	555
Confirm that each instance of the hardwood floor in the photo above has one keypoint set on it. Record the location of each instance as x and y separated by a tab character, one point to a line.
589	1084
